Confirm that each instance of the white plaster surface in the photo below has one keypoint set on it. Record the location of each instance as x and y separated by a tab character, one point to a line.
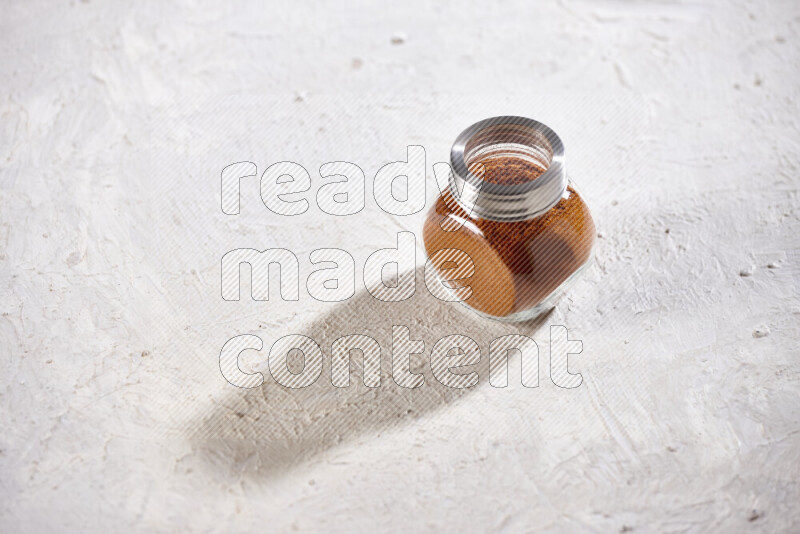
681	125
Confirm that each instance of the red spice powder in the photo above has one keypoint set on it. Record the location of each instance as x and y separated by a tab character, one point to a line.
517	264
507	170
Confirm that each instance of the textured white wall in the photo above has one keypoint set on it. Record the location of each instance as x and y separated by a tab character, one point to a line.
681	126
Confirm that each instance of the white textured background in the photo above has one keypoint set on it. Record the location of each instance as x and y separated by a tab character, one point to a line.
681	125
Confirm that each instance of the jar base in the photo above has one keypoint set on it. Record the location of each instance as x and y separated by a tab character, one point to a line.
540	309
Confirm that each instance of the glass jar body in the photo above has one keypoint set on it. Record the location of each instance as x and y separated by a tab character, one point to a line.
521	268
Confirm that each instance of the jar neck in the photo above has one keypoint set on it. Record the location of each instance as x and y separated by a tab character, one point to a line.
508	169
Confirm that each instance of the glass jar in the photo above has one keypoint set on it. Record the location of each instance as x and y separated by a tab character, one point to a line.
511	208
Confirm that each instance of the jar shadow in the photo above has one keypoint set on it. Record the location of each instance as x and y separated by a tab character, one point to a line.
267	431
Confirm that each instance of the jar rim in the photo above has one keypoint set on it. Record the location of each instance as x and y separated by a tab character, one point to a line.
509	201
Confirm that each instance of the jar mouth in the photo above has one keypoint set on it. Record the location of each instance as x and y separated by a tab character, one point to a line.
512	198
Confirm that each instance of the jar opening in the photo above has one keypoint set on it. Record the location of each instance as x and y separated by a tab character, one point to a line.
509	154
508	168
